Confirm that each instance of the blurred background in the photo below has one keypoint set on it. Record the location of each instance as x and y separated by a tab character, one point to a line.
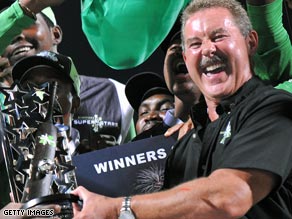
76	45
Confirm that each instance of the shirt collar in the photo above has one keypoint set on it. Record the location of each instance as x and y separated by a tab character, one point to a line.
230	102
199	111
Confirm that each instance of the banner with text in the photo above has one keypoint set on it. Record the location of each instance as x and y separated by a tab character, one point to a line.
132	168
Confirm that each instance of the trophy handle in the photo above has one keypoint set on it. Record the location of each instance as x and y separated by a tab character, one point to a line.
64	200
49	199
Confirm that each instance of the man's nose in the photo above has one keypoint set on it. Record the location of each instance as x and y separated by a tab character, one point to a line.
208	48
154	115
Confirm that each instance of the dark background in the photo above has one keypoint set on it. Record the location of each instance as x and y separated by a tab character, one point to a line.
76	45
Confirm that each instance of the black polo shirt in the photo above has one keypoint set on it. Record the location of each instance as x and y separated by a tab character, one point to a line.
254	130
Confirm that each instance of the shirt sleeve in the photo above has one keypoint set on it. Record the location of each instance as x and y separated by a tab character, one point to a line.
13	21
273	59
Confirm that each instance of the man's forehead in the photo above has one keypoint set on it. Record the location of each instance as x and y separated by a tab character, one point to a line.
208	23
158	99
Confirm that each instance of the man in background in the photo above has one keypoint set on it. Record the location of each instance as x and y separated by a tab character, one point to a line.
232	175
105	116
29	27
152	101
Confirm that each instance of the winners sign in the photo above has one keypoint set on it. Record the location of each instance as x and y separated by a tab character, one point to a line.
132	168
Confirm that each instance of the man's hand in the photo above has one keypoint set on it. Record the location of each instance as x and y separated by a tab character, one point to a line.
4	63
183	128
95	206
38	5
5	72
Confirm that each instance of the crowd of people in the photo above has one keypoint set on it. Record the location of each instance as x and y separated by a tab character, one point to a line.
226	92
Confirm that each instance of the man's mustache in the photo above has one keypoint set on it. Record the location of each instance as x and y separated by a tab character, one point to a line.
207	61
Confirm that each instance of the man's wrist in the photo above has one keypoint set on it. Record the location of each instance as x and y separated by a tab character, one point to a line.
27	11
126	212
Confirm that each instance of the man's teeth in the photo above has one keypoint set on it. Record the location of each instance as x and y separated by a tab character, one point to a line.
212	68
22	49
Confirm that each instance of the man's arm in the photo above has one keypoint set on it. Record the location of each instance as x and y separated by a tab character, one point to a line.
259	2
226	193
37	6
15	18
273	59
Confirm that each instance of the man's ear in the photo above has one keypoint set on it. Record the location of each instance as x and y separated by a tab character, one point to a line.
57	34
252	42
75	104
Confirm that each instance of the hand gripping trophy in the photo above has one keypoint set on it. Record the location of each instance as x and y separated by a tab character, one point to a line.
37	148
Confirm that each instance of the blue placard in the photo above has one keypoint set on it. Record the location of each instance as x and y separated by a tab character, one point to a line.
132	168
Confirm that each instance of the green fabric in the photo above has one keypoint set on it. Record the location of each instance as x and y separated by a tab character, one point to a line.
13	21
124	33
287	85
274	55
132	132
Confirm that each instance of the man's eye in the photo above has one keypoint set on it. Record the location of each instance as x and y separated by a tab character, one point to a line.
164	109
218	37
195	45
143	113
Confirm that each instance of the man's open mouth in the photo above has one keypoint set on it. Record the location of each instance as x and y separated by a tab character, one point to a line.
20	50
214	69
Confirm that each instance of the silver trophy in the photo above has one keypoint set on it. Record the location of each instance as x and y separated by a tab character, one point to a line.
36	148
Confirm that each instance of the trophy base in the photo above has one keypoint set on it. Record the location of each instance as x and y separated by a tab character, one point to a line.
64	200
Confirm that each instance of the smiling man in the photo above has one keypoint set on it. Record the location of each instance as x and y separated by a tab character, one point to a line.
236	162
104	118
148	95
178	80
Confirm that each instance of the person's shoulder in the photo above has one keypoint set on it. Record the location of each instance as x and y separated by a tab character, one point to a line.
117	83
262	96
89	81
279	91
276	95
85	78
94	79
